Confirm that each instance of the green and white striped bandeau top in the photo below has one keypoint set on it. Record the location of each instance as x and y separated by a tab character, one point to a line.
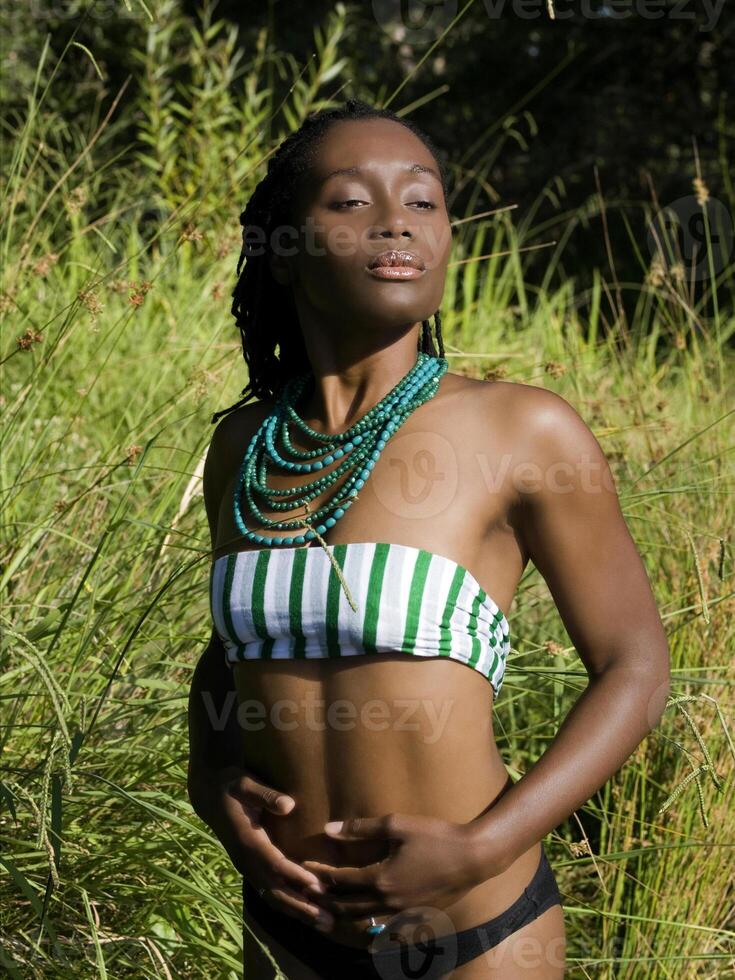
344	600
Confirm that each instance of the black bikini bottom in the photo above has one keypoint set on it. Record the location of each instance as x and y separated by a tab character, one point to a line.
395	961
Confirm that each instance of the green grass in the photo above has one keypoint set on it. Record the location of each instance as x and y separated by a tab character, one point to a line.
106	406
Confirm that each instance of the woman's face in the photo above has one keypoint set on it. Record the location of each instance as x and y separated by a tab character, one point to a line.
391	199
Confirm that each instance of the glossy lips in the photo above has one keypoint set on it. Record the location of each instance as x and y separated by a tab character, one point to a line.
396	264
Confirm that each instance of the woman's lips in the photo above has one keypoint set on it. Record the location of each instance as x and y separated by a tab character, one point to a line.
395	272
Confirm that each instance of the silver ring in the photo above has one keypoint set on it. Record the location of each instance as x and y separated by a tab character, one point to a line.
261	892
375	928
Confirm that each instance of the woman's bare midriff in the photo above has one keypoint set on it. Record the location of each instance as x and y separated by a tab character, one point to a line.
368	736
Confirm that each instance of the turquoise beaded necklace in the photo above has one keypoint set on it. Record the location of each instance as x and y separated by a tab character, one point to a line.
359	447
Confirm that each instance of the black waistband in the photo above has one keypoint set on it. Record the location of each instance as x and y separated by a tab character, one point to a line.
438	956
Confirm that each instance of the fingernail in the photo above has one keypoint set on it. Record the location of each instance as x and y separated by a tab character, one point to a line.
334	826
324	921
318	888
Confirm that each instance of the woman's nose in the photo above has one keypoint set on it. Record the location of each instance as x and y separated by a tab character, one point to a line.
392	226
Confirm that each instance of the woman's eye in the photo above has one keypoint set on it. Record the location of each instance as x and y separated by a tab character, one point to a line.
354	200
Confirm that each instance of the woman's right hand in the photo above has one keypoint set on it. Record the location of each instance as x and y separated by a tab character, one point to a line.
231	801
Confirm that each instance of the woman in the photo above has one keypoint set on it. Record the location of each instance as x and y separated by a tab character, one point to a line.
361	644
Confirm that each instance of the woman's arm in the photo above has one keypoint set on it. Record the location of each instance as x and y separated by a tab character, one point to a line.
571	523
228	798
214	738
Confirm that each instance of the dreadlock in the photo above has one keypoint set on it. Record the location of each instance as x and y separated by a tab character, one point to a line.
264	310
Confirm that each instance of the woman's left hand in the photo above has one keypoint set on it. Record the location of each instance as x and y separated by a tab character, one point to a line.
431	862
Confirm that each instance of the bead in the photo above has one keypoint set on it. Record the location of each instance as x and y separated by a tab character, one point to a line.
358	449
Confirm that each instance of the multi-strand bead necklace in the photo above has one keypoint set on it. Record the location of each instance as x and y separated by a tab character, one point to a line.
359	448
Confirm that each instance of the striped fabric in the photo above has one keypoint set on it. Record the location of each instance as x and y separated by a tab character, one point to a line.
288	603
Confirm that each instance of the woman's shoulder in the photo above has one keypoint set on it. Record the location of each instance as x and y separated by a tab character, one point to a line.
240	424
532	417
495	394
229	440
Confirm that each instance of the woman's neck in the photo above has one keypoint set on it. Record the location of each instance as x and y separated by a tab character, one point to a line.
344	390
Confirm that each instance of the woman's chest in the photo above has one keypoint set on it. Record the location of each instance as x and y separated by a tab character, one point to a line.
443	482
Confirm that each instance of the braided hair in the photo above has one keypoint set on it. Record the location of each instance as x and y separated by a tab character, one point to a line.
264	310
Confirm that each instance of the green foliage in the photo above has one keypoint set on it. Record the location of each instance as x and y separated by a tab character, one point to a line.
117	345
